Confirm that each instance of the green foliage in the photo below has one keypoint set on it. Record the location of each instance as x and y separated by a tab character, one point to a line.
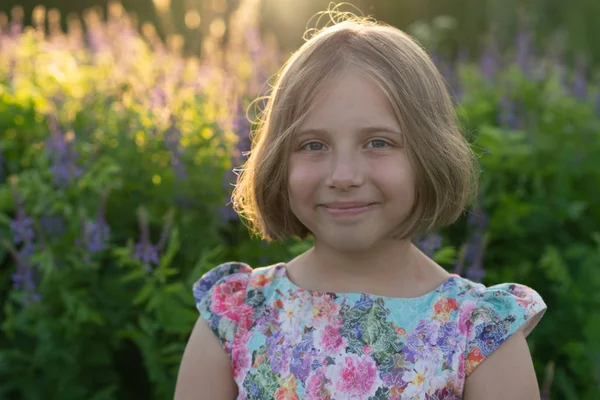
115	165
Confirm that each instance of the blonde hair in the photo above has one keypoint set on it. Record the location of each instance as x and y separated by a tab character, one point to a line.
444	164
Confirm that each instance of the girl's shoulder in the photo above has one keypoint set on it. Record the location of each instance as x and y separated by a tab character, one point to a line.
501	300
232	277
489	315
228	295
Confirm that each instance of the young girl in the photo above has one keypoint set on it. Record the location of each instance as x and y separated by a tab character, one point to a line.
360	149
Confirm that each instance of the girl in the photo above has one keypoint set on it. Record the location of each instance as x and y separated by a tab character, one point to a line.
360	149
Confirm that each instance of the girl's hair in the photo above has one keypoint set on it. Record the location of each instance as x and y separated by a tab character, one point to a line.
445	167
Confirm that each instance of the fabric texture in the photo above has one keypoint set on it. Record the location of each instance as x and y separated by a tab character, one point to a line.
286	342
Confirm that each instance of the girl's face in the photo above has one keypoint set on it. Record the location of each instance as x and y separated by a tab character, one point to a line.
350	182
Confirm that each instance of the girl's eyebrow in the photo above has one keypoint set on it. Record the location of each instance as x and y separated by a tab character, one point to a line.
363	131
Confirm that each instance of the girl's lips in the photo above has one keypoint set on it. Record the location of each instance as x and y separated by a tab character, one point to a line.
347	210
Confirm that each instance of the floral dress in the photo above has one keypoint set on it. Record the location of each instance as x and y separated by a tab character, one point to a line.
286	342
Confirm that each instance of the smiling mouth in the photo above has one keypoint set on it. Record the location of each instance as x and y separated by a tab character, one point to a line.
347	210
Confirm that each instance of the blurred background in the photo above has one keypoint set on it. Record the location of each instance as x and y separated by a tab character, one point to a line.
121	123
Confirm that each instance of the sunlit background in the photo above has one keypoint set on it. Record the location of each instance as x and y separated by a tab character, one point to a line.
121	124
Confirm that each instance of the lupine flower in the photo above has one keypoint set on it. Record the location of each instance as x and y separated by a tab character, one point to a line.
472	252
523	50
24	279
96	233
241	126
145	251
475	271
507	116
580	82
63	155
22	227
172	139
490	60
475	247
24	235
430	244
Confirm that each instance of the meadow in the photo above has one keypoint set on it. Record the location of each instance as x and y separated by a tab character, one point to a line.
116	168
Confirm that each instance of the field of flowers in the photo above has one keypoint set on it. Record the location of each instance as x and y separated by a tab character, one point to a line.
116	158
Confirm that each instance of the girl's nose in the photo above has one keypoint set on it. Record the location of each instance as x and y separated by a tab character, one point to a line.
345	172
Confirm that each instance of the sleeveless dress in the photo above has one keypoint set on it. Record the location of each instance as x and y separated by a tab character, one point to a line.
286	342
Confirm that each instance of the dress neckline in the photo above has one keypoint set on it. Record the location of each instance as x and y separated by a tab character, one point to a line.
281	272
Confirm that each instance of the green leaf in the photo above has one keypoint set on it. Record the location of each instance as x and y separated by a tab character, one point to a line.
144	294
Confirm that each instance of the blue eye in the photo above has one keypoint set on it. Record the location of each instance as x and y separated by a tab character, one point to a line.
314	146
377	144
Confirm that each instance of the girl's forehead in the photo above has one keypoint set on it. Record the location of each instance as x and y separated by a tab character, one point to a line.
350	100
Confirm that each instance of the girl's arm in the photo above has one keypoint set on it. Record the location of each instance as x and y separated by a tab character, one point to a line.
205	371
507	373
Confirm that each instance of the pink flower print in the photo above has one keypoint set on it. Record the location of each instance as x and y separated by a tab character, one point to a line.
367	350
330	339
241	358
316	386
243	315
354	377
464	316
228	295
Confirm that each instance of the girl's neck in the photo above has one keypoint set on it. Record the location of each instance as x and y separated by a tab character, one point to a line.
395	269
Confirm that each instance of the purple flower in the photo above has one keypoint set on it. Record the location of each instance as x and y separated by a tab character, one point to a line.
63	155
490	60
475	272
172	139
446	340
25	279
473	250
447	393
96	233
523	50
420	341
580	81
147	253
269	325
489	336
302	356
430	244
279	353
22	227
145	250
395	364
507	116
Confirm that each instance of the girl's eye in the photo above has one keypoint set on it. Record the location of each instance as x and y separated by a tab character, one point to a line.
314	146
377	144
